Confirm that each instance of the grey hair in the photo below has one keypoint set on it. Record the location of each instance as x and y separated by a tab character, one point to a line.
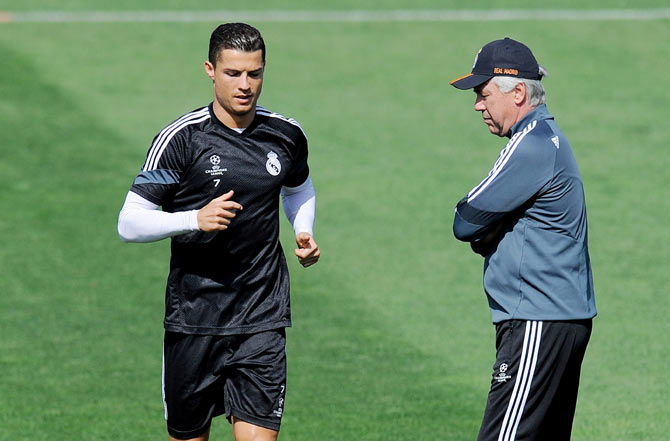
534	88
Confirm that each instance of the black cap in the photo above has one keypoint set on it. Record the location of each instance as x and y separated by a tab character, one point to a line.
504	57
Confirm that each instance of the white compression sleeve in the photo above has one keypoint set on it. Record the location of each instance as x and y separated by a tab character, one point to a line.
140	220
300	206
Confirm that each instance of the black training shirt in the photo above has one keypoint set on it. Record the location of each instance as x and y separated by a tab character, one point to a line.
233	281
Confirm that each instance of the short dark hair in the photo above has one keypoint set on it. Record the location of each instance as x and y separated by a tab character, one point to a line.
238	36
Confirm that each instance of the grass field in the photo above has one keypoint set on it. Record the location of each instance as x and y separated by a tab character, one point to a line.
392	337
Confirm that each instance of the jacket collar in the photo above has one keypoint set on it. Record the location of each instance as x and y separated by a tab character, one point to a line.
538	113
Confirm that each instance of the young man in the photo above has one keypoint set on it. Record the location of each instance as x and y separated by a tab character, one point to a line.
528	219
218	173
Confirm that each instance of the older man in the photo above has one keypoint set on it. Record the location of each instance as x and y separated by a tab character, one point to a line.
528	219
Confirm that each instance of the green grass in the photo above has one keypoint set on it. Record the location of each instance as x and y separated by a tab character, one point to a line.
392	337
100	5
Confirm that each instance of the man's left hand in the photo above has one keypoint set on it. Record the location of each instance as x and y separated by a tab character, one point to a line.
308	251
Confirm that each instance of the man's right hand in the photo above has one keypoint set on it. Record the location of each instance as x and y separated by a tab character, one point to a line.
487	244
216	215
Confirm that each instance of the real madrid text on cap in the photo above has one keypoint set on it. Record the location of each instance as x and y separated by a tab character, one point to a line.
504	57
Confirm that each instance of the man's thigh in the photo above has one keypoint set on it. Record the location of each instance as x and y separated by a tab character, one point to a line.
256	379
190	385
535	380
240	375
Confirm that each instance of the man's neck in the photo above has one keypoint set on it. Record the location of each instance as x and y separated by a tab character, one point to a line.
523	111
234	121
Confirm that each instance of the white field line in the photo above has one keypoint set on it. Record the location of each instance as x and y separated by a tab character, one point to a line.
335	16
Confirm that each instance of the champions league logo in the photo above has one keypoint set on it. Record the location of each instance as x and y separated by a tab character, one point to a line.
216	169
502	376
273	166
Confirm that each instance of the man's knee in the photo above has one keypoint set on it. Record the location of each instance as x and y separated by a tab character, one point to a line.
244	431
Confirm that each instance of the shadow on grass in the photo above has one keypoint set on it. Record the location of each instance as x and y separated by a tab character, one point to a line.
75	325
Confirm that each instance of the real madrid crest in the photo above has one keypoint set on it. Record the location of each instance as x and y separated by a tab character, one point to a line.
273	166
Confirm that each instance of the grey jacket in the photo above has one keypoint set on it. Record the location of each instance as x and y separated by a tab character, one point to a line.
537	266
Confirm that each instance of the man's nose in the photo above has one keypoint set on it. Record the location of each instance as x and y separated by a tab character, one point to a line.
479	105
244	82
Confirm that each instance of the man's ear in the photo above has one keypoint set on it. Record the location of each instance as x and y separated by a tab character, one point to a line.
520	93
209	70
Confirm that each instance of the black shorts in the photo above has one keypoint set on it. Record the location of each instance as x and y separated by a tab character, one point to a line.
242	376
535	380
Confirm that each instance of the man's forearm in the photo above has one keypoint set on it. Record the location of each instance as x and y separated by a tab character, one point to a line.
141	221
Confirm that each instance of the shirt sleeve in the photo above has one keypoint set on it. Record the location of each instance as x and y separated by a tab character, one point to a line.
300	169
522	169
166	160
140	220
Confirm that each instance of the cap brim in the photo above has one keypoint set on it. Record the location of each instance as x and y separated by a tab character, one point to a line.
470	80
